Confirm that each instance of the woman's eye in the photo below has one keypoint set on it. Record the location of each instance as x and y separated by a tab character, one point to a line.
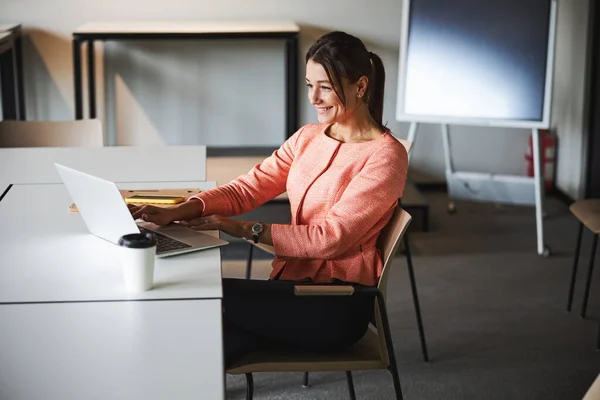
308	85
325	88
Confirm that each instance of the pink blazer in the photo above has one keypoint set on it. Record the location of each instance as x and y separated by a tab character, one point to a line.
341	196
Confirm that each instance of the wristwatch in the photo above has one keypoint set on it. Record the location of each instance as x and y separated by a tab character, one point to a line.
257	228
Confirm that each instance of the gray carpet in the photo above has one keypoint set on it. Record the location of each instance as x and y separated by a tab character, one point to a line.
493	310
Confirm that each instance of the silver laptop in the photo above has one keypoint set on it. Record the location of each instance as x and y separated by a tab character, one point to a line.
106	215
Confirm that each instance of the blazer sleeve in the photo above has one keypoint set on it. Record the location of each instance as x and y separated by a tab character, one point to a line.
366	200
262	183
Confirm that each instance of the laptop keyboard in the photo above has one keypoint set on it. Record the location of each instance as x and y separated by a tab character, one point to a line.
165	243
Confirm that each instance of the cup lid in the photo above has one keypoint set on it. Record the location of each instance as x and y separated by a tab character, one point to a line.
138	240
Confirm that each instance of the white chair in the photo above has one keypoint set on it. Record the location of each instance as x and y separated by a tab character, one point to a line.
80	133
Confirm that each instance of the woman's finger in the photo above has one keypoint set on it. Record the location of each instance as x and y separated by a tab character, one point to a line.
204	226
143	210
195	221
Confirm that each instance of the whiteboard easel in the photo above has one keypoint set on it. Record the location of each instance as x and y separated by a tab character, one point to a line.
498	188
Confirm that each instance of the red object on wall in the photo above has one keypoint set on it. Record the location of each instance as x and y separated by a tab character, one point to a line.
548	154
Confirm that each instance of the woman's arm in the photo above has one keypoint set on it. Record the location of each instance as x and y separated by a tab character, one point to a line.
232	227
262	183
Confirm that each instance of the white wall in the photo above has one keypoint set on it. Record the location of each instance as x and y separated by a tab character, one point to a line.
569	103
193	92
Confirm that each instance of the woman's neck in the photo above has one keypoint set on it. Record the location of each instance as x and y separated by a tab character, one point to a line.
360	128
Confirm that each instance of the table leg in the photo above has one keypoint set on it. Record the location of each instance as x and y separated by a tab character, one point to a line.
91	78
77	78
291	88
7	84
20	77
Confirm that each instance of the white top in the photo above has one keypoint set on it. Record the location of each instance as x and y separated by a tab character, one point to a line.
199	27
114	163
9	27
48	255
139	350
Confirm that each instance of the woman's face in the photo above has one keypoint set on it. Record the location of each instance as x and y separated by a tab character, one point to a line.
327	103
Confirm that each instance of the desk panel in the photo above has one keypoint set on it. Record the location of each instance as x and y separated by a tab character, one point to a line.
115	163
146	350
48	255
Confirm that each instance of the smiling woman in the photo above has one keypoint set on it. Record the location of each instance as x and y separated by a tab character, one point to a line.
343	177
345	84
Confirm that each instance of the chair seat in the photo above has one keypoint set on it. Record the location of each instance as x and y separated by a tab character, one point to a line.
363	355
593	392
588	212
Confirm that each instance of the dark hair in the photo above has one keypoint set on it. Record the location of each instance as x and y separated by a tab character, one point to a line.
345	56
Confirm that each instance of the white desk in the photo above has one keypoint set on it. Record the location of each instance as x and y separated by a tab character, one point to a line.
115	163
194	27
69	329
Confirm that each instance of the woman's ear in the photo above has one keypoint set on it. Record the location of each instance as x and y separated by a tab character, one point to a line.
361	86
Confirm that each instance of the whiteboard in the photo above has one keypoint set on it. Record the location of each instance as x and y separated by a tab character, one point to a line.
476	62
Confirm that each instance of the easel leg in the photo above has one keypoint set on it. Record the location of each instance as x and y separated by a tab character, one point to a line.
412	136
448	163
542	249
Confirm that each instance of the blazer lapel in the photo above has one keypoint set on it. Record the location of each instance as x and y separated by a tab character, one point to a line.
318	157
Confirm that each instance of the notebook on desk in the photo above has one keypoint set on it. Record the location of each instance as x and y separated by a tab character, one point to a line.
105	214
184	192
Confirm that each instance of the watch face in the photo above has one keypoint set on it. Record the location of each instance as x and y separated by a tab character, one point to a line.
257	228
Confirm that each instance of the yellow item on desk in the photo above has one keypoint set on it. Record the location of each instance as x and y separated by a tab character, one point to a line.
154	199
184	194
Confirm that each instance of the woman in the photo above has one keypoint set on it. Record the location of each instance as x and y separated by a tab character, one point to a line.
343	178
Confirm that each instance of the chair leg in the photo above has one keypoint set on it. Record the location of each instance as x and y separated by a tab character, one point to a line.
413	285
249	262
305	380
393	368
249	387
589	277
350	385
574	271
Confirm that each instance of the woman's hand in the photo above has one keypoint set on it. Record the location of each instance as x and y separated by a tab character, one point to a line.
165	215
203	223
156	215
230	226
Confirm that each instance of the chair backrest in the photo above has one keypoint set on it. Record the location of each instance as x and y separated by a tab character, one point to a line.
407	144
387	243
80	133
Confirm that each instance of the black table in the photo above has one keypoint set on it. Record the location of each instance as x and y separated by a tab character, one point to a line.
284	30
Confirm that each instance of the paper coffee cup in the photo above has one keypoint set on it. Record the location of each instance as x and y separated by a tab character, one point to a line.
138	252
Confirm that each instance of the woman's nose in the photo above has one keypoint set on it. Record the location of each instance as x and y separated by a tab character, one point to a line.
314	97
